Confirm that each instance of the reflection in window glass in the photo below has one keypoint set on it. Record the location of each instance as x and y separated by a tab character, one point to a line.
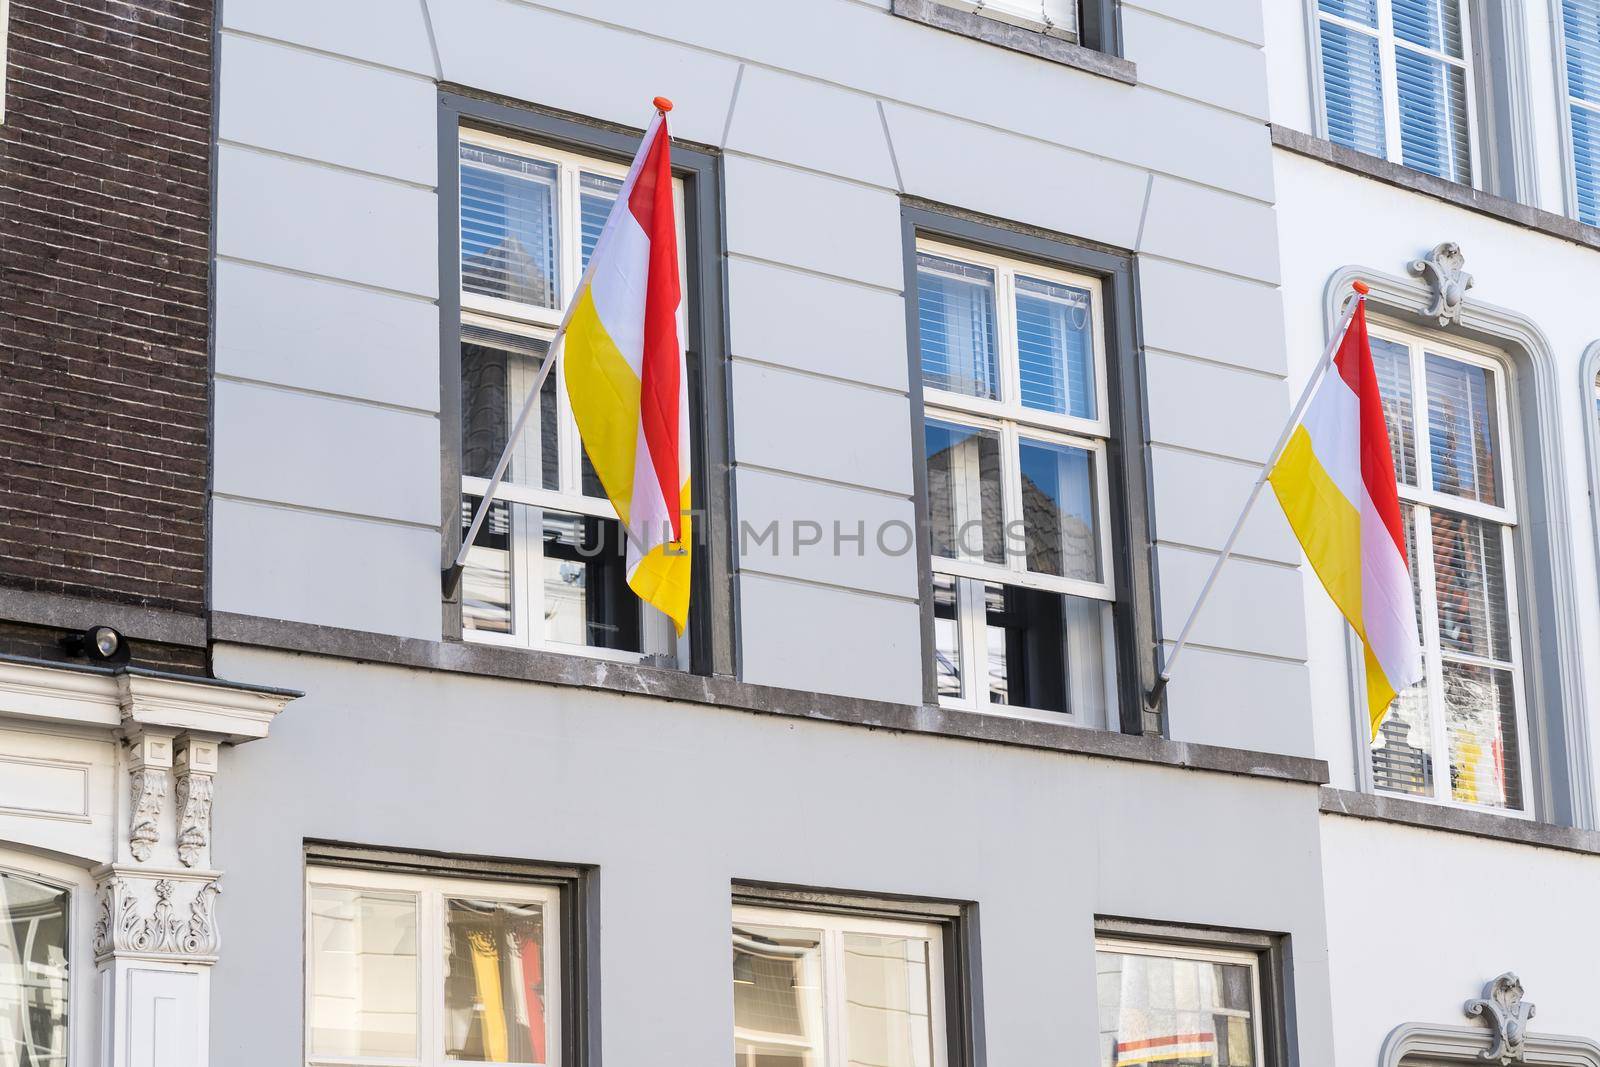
1392	362
494	1010
497	371
508	227
596	194
955	307
363	973
587	600
33	973
964	491
1175	1011
1047	651
1058	510
888	1003
1462	430
946	636
1481	720
777	997
486	576
1055	347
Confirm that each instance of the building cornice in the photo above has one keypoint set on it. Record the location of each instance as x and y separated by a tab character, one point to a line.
131	698
1423	815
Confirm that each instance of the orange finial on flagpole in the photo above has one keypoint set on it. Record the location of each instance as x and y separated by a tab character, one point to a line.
1361	287
662	104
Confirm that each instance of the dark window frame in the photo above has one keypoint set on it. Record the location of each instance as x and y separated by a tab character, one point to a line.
1274	971
957	920
1127	447
712	620
579	920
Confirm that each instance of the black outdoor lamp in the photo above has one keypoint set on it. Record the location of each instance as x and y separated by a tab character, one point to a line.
101	644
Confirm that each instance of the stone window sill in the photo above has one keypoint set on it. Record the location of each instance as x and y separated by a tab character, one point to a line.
1017	38
1464	196
552	668
1425	816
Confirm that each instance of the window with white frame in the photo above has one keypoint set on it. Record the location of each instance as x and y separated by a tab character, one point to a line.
1397	82
1177	1005
35	978
1580	30
1460	736
1015	434
415	971
1051	16
548	568
813	989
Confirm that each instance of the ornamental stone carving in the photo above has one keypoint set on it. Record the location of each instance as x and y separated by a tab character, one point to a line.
138	916
147	789
1443	270
1507	1014
194	817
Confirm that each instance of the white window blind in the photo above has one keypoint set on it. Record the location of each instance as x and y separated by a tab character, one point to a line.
1580	27
1397	81
1055	16
1458	736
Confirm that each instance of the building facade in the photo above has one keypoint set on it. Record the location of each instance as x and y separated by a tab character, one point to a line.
992	314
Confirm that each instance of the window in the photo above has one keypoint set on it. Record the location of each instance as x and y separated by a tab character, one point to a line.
548	568
1580	25
1459	736
825	990
413	970
34	974
1185	1007
1016	426
1057	16
1397	82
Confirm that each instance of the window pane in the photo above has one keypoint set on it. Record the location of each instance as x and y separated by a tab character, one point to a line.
955	312
1580	21
486	576
965	508
946	637
1462	431
1156	1009
1470	586
1362	11
1059	517
777	997
1433	24
508	227
1055	347
33	973
587	600
596	194
1402	759
363	973
494	987
1481	720
1433	115
1352	88
888	1002
1586	161
497	371
1047	651
1392	362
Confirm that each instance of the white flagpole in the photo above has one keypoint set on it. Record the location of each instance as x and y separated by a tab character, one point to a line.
1159	689
452	573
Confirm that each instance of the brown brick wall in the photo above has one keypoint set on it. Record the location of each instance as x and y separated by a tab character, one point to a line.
104	223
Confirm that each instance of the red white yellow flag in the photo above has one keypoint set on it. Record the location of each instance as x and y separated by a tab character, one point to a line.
1336	483
626	378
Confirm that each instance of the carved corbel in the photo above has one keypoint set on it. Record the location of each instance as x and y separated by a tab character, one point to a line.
196	771
149	765
1507	1014
1443	270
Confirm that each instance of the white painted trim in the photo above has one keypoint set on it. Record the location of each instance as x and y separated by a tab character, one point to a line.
1541	373
1468	1044
1589	393
233	714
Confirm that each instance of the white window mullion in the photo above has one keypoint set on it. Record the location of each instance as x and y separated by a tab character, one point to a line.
528	551
974	632
1518	690
833	998
1391	92
1433	666
1468	65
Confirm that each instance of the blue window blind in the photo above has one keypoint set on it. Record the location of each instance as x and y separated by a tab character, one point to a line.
1055	363
1395	82
596	194
955	312
508	226
1580	25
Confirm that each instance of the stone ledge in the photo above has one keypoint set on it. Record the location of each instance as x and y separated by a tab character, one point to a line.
1426	816
57	610
1464	196
1002	34
553	668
